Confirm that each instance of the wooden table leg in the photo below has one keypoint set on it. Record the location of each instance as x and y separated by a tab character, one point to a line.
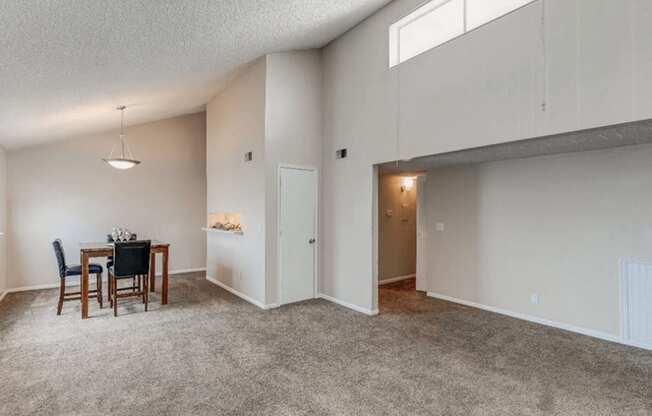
83	282
152	272
164	286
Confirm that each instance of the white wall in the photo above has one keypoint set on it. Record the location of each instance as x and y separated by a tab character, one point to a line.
293	133
236	125
556	225
64	190
3	220
484	88
272	108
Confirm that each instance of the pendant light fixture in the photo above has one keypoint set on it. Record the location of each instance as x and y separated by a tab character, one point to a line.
126	159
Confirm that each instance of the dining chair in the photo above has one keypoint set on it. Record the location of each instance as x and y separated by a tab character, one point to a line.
109	239
109	263
130	261
66	271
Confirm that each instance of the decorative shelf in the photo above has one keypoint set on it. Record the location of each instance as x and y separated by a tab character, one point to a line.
218	231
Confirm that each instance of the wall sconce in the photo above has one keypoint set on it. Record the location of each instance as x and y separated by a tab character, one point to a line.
407	183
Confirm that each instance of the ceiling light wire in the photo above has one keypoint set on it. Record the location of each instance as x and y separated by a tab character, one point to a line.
544	56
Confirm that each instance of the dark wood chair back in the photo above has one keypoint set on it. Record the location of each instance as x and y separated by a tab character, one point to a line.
61	257
131	258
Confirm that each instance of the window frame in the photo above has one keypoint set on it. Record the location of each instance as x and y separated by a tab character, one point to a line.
431	6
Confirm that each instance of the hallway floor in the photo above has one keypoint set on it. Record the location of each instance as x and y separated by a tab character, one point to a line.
210	353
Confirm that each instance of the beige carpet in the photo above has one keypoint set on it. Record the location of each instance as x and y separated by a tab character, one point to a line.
210	353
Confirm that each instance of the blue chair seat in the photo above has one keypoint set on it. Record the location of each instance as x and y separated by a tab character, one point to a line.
76	270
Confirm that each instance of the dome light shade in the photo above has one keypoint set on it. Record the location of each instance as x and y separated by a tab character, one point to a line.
122	164
126	159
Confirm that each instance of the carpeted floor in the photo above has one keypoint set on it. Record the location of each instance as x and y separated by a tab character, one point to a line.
210	353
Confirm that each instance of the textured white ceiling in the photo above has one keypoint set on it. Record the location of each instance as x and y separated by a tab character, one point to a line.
65	65
627	134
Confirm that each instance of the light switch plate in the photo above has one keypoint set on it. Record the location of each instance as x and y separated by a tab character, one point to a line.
439	226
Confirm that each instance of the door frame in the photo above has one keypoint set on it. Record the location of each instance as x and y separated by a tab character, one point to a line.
422	235
625	330
279	279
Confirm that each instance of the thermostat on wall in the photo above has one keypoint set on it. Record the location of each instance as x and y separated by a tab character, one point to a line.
340	154
249	156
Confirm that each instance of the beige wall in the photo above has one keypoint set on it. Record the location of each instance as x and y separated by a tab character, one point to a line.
3	220
293	133
397	234
64	190
272	108
236	125
556	226
440	101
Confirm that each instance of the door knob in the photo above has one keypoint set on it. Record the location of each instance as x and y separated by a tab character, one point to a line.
311	241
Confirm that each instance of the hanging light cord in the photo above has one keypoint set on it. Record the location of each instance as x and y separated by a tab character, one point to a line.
122	130
544	56
125	151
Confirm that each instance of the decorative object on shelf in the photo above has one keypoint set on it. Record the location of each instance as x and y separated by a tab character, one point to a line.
121	234
225	221
227	226
126	159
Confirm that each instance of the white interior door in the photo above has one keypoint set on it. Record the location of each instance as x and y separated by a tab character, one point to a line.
297	233
422	284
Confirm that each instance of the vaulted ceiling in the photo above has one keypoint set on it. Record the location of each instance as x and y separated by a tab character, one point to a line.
65	65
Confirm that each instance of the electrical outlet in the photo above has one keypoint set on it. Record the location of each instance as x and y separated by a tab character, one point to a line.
534	298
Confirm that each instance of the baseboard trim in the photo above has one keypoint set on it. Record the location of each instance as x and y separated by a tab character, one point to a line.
183	271
75	282
396	279
239	294
370	312
559	325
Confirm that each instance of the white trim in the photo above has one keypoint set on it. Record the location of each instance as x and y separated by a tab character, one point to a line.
182	271
566	327
218	231
75	282
396	279
421	237
240	294
624	301
315	288
39	287
356	308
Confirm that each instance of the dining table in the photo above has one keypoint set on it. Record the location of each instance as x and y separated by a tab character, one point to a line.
87	251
